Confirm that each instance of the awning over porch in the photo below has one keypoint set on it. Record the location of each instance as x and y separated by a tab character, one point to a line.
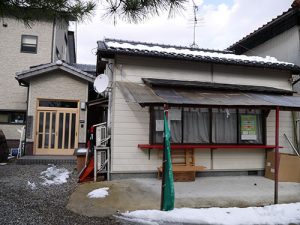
193	96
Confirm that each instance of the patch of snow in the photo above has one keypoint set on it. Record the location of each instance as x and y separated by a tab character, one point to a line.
82	150
32	185
195	52
271	215
98	193
59	62
54	175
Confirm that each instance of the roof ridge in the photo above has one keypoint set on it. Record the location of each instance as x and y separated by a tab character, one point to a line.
151	44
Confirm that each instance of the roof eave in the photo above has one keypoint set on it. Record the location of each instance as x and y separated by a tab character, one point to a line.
24	77
111	53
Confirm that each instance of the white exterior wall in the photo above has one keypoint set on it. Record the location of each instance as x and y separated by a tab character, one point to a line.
130	122
58	85
284	47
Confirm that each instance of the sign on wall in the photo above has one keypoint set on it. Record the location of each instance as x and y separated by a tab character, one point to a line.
248	127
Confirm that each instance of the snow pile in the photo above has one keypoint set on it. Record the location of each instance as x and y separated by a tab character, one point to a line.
32	185
98	193
54	175
274	214
195	52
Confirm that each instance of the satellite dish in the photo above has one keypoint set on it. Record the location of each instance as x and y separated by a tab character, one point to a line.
101	83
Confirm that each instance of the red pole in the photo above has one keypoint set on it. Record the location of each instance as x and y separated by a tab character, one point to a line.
276	155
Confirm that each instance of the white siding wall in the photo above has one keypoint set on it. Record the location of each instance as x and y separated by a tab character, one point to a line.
284	47
130	122
58	85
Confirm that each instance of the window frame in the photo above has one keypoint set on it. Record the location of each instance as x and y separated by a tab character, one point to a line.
10	116
263	115
36	45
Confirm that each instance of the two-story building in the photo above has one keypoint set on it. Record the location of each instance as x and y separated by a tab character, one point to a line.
49	98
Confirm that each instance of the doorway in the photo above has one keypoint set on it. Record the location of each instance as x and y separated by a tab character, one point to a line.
56	128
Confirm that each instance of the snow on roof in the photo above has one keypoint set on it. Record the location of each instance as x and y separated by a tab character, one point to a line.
110	47
193	52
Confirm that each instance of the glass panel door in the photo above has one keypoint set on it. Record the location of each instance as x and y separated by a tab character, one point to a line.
46	129
56	132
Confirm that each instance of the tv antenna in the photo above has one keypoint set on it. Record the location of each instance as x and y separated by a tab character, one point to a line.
195	24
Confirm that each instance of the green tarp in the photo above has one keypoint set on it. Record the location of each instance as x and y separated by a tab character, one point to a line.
168	185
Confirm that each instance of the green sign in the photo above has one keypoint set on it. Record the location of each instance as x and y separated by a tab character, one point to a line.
248	127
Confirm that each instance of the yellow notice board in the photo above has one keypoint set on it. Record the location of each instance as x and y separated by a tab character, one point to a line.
248	127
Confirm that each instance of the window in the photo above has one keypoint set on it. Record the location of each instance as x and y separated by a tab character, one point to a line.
12	117
60	104
215	126
29	44
224	126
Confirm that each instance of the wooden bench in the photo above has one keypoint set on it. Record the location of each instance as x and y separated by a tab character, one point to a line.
183	163
182	173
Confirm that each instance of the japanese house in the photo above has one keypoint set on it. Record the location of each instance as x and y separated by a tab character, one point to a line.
221	107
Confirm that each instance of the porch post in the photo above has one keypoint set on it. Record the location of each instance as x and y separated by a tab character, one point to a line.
276	155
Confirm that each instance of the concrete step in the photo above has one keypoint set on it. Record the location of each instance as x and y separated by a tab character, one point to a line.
45	160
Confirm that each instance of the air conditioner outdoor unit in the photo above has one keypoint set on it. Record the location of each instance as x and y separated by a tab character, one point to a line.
101	136
101	158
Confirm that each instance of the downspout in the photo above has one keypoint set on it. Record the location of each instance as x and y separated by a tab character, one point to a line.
294	121
53	39
27	107
276	155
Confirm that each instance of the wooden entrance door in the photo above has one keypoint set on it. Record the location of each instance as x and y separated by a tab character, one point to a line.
57	131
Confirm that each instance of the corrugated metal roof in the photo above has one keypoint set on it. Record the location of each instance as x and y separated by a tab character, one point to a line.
110	47
214	86
145	95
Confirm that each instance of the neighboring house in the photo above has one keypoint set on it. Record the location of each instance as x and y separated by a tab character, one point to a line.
56	113
38	47
211	96
279	38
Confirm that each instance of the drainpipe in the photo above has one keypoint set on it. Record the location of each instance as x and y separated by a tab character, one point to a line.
26	127
276	155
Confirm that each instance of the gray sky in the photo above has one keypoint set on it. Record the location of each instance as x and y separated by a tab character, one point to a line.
221	23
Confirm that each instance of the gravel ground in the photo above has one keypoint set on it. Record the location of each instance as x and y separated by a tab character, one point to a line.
19	204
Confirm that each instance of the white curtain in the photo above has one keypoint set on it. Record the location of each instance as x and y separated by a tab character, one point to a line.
224	126
196	126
